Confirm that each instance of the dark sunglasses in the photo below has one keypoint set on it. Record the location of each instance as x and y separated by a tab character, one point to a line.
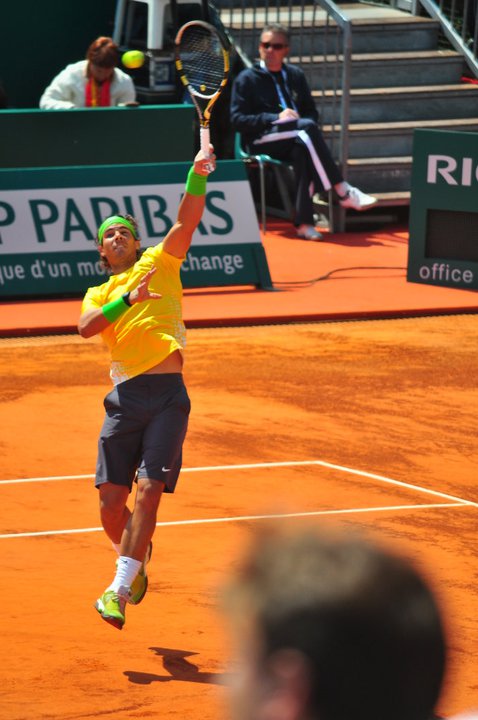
274	46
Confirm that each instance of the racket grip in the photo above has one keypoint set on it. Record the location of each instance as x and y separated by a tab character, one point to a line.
205	139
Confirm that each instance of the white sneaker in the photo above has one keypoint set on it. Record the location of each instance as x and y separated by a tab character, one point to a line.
356	199
308	232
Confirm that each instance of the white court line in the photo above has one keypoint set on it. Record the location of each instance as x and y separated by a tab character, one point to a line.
253	466
245	518
210	468
457	502
50	478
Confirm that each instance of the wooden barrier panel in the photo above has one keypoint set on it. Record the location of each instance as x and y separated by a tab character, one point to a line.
103	136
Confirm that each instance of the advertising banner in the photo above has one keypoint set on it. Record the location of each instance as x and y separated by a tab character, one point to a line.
443	245
49	217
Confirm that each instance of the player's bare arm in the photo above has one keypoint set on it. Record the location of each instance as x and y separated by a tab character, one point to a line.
178	240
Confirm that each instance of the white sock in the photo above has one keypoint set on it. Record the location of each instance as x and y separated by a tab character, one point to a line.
126	570
342	188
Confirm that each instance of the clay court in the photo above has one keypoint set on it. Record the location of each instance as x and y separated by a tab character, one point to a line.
368	424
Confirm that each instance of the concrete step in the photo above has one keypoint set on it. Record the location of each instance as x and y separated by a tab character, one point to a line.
373	30
407	32
390	208
393	198
381	175
393	138
426	67
430	102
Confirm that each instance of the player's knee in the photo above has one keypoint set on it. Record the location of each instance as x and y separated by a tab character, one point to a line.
307	125
113	499
311	128
149	493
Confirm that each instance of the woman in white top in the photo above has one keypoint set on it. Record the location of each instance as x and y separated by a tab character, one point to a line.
94	82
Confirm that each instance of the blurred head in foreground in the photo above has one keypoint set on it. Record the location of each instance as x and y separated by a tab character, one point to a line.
333	628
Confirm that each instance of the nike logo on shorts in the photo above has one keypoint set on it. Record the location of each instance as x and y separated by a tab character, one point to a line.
165	469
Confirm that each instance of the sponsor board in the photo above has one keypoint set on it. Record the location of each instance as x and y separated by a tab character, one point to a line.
49	217
443	244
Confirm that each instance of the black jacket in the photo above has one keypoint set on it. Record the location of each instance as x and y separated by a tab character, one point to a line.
255	102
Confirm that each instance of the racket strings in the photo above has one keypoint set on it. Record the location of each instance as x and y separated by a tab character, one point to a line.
202	61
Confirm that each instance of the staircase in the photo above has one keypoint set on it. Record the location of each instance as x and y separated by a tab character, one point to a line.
399	80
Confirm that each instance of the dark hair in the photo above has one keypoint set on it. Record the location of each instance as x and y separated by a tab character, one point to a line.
103	52
103	261
277	28
366	622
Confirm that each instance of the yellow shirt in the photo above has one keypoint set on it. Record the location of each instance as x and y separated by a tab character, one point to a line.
149	331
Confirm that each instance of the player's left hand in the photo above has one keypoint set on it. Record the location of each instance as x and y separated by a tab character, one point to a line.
142	291
205	165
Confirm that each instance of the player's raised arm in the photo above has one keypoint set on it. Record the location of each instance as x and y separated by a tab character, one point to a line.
191	208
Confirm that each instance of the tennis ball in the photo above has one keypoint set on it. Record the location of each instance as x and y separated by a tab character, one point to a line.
133	59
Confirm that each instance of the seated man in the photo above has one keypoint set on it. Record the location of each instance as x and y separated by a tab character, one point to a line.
273	109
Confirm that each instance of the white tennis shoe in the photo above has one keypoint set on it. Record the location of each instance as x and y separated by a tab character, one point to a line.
355	199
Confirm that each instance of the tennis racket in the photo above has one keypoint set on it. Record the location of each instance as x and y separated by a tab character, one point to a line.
202	61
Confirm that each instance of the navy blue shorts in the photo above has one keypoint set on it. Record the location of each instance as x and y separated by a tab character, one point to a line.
143	431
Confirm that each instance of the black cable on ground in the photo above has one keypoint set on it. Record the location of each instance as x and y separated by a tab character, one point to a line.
307	283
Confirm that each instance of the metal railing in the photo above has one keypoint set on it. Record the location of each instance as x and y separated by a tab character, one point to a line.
458	23
321	43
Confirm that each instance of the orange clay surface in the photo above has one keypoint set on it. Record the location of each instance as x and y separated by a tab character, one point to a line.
369	425
349	275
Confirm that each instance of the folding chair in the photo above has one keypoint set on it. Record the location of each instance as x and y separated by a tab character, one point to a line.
261	162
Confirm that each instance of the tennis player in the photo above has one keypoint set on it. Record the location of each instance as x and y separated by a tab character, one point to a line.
138	314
